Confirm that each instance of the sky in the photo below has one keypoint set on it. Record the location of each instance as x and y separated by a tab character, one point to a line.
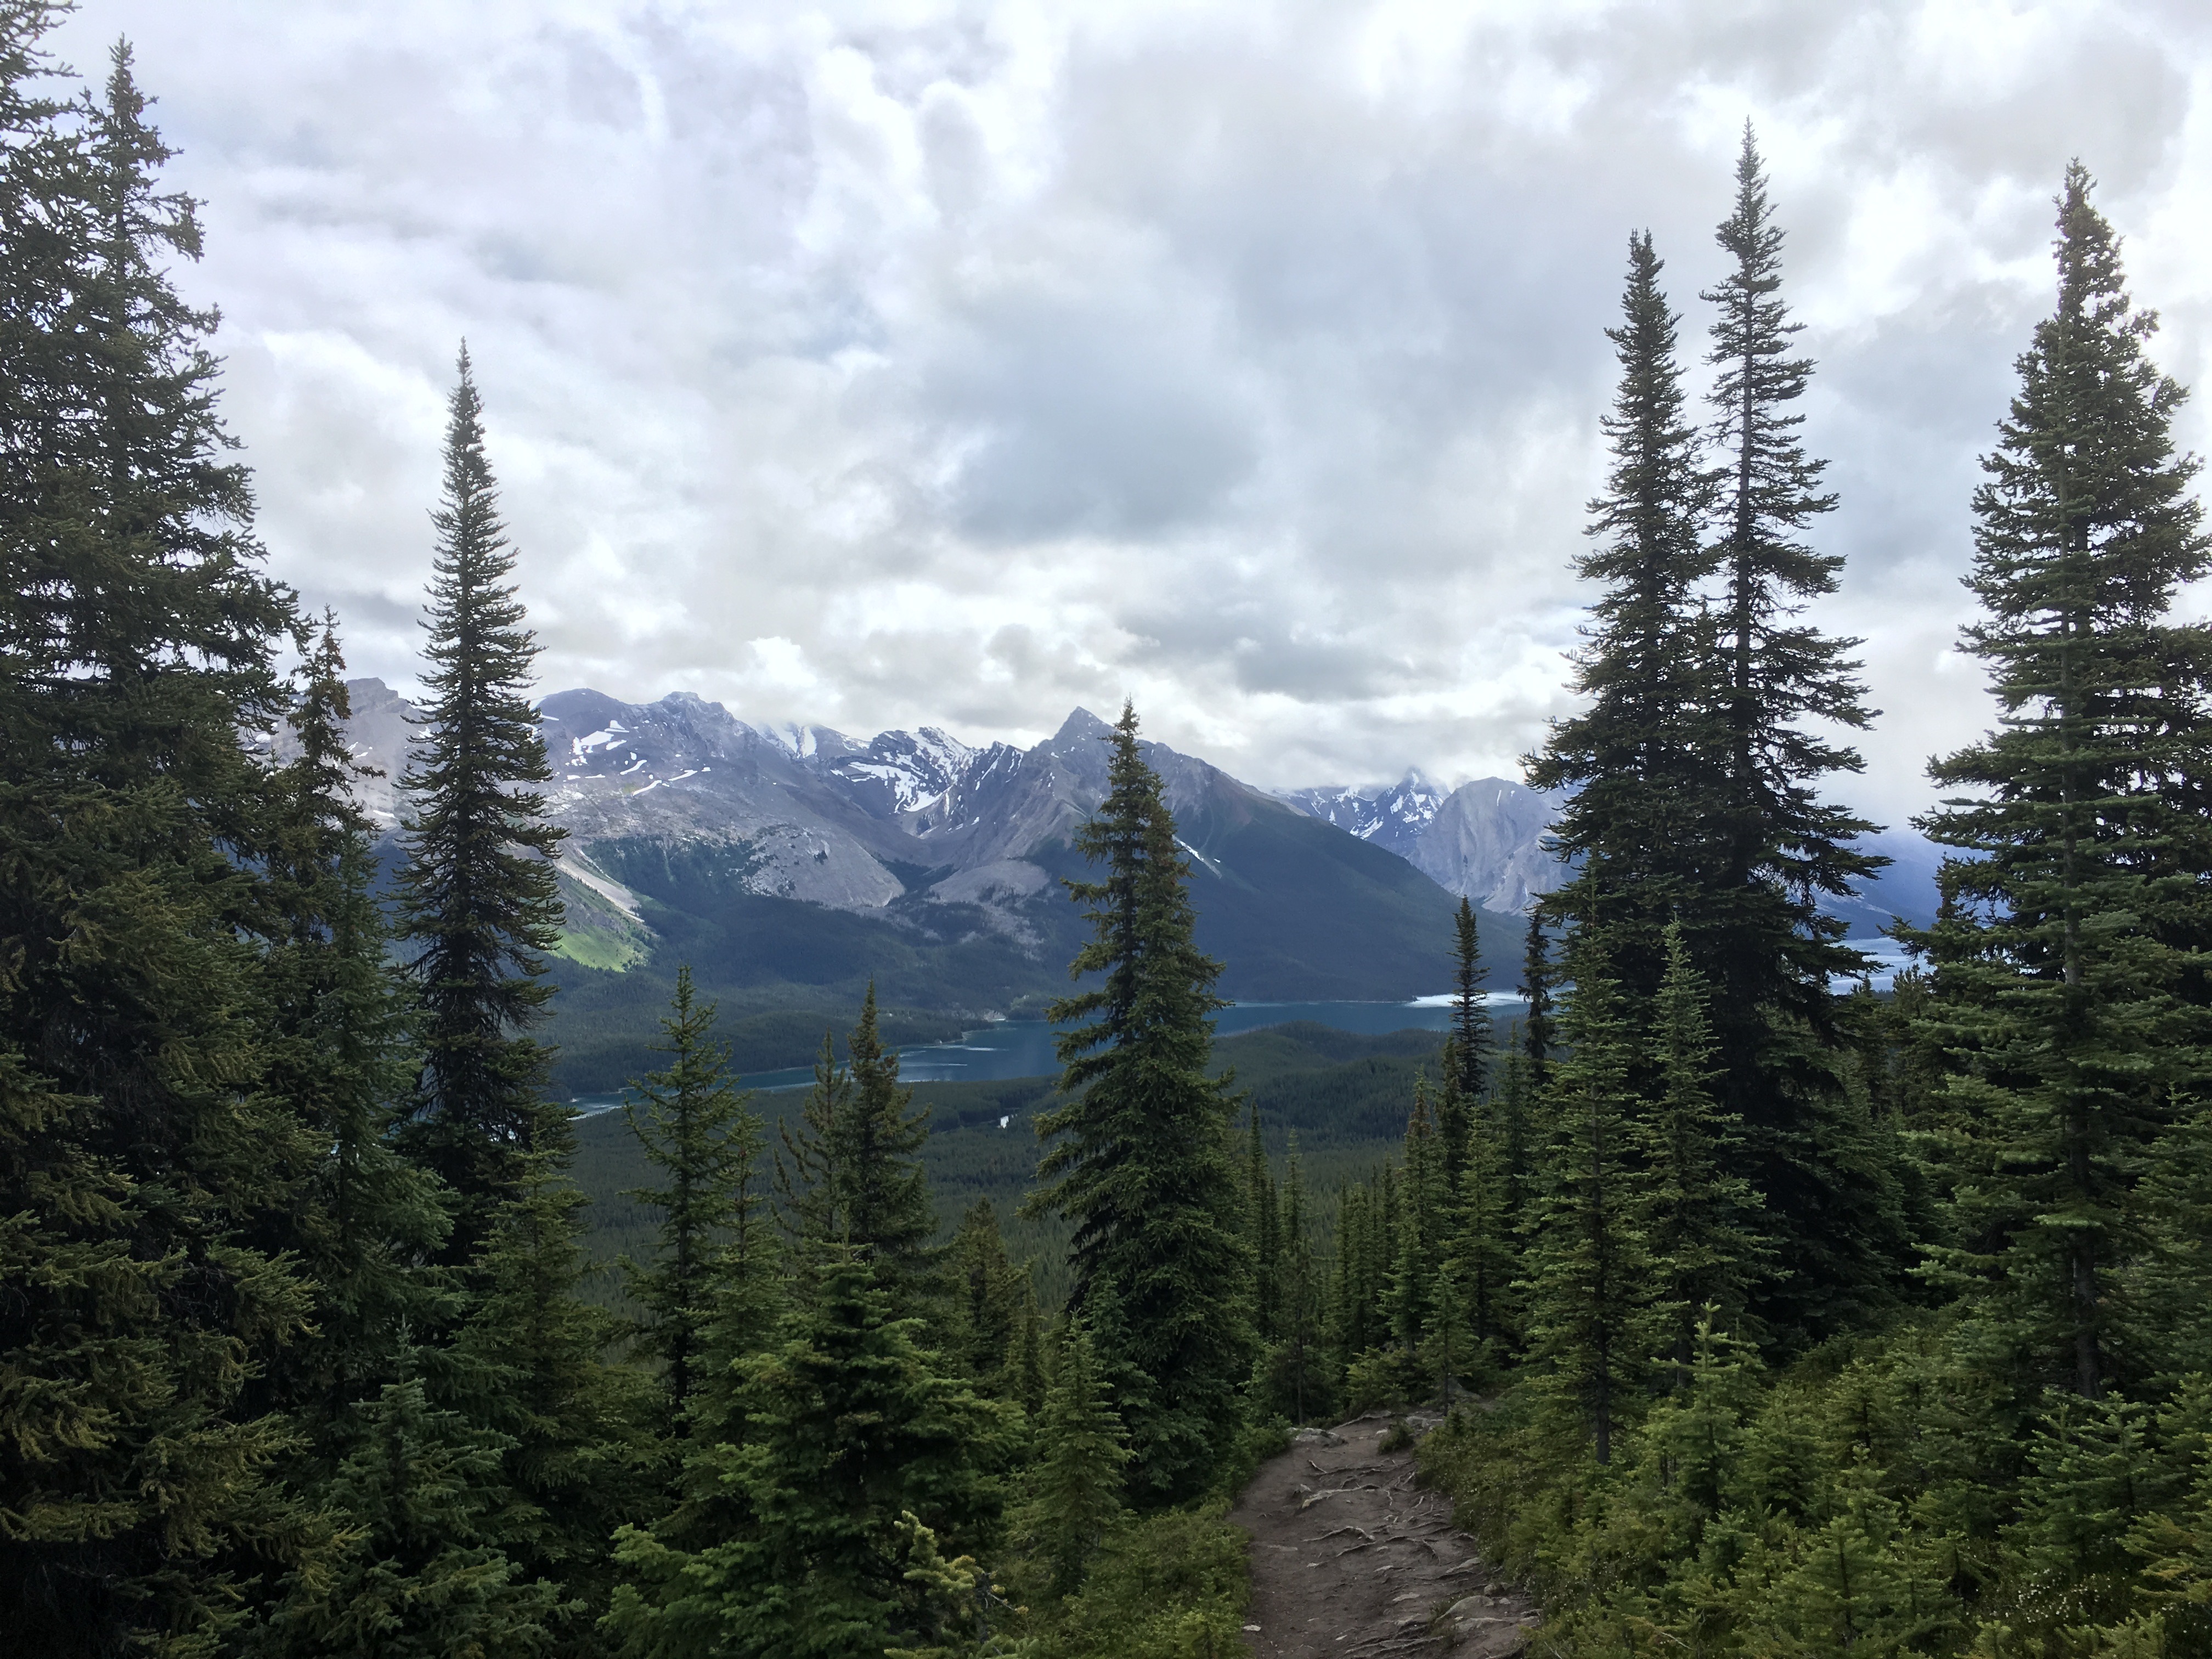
890	364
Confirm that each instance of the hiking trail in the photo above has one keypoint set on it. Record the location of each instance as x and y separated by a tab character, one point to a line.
1351	1560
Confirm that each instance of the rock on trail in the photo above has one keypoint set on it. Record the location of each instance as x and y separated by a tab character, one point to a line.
1351	1560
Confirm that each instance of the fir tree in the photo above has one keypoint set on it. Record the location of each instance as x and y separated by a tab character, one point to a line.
1413	1264
706	1141
1536	981
2063	984
142	1161
1025	1378
479	904
1075	1474
1589	1282
1142	1162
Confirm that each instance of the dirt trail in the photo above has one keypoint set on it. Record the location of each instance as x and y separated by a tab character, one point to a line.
1351	1560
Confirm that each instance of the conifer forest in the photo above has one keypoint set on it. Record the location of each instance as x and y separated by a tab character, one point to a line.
1741	1308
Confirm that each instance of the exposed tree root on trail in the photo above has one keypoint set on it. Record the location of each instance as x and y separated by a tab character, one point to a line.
1350	1559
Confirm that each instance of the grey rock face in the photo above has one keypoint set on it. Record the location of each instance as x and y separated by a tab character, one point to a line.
1483	840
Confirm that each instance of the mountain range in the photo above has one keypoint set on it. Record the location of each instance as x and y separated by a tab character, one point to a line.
791	865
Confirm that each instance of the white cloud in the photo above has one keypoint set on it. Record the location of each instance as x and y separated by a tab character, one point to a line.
925	361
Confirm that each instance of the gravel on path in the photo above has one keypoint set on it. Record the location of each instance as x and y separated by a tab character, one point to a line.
1350	1559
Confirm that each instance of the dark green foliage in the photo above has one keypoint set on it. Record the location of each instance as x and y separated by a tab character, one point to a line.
704	1141
985	1328
1467	1053
2067	1004
1536	983
478	901
530	1366
1140	1160
851	1171
419	1575
1639	759
147	1175
1699	1219
1263	1232
1589	1278
336	1015
861	1457
1074	1482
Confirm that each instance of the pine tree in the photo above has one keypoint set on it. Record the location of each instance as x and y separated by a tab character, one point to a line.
1754	927
1413	1264
140	1156
479	904
1637	763
1142	1161
860	1459
704	1136
1075	1475
1589	1281
1482	1228
1025	1378
1698	1219
2065	989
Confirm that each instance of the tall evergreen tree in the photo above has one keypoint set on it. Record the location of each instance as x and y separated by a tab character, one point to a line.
1589	1282
2065	988
141	1159
702	1136
1637	761
1424	1208
987	1314
479	904
1466	1050
1537	979
1142	1162
1754	925
1301	1312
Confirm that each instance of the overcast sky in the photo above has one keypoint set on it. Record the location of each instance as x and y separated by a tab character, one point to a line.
883	364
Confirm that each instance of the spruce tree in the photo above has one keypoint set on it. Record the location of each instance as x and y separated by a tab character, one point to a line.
851	1171
861	1458
1638	762
1263	1224
1537	979
1753	922
142	1161
1468	1051
987	1316
1589	1279
1301	1310
1025	1378
702	1136
419	1575
1425	1207
531	1367
1699	1216
337	1014
479	904
1075	1474
2065	986
1141	1160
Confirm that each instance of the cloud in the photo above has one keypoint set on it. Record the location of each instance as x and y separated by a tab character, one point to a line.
957	361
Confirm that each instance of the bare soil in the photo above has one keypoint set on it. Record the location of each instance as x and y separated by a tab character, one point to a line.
1351	1560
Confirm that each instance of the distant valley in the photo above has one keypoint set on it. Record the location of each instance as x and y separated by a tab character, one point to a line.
790	866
